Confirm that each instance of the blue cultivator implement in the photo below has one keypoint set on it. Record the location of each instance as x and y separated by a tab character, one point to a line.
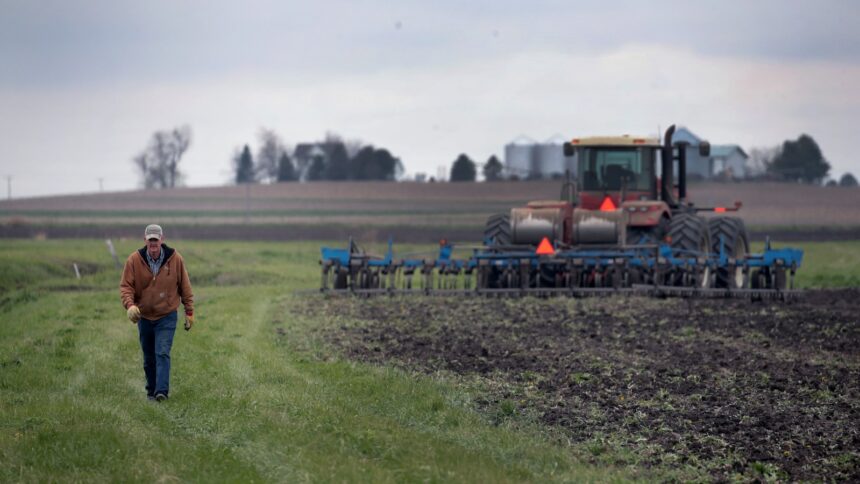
657	270
624	226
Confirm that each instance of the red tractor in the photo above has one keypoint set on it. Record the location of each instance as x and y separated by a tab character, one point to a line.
624	197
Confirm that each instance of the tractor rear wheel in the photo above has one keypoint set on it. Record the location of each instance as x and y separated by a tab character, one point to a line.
731	233
690	233
498	229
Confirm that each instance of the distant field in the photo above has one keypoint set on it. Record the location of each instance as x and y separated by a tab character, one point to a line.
329	209
770	204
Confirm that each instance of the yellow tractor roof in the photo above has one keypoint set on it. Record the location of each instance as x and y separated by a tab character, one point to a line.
625	140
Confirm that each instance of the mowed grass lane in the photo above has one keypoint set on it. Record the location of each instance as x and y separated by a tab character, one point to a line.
253	398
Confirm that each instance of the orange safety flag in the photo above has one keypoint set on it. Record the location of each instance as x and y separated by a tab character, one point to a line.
607	205
545	248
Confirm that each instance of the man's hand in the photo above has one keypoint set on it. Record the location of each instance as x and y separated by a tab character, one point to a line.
133	314
189	321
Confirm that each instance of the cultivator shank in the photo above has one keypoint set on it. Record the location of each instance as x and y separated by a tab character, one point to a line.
654	270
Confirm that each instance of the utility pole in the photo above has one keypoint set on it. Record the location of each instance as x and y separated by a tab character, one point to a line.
9	187
101	184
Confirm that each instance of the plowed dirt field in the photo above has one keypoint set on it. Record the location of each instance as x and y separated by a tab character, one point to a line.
726	389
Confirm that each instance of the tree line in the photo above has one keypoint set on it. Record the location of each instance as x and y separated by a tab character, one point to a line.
799	160
335	158
465	170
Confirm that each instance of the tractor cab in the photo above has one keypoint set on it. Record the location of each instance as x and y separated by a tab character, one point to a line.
626	169
630	182
624	194
619	168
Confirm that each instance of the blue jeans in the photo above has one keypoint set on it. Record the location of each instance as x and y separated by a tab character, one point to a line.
156	338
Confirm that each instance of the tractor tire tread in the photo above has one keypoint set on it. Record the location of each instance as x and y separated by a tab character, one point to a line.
731	229
687	230
498	229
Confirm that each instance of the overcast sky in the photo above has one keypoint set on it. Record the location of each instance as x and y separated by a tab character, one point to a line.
83	84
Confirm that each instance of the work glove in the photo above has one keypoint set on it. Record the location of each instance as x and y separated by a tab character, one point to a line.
133	314
189	321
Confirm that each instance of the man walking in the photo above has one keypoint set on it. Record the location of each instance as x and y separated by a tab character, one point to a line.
154	282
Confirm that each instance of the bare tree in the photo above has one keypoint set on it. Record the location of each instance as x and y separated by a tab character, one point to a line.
352	146
269	155
158	164
178	141
141	161
760	159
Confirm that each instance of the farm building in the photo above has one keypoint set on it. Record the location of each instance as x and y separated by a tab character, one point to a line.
728	161
725	160
697	166
527	158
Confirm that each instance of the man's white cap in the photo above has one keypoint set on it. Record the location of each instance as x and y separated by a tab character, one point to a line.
153	232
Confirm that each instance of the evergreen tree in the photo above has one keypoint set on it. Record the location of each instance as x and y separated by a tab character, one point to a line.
286	170
244	166
800	160
317	170
493	169
463	169
338	167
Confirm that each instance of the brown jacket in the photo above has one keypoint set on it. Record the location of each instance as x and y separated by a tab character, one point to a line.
160	295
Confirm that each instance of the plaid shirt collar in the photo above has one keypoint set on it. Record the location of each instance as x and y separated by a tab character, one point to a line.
155	265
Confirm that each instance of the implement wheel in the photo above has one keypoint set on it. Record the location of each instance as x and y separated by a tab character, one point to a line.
340	277
498	229
736	245
690	233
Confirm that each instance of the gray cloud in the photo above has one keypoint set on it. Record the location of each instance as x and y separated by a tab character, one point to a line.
86	84
82	42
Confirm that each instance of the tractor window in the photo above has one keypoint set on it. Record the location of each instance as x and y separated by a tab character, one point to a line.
605	168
